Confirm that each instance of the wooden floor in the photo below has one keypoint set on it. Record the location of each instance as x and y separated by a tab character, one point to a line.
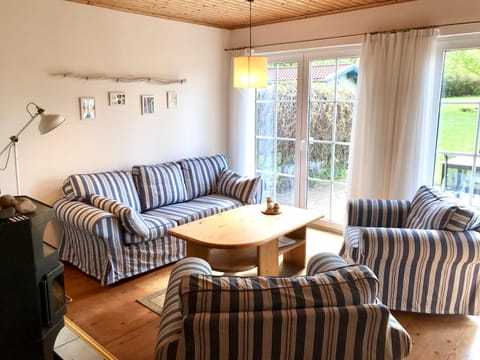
112	317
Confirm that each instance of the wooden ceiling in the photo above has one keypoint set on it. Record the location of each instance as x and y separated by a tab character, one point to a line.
234	14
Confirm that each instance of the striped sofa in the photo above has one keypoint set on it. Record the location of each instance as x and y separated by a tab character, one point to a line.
425	252
331	313
116	223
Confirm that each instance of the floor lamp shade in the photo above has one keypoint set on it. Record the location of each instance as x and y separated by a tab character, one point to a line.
249	72
49	122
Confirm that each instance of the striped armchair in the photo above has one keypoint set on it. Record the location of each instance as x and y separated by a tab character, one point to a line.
332	313
425	252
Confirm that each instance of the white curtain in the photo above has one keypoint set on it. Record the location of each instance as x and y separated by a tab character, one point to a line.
392	140
241	126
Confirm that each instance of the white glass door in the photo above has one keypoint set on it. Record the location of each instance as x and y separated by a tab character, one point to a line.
277	131
332	90
303	128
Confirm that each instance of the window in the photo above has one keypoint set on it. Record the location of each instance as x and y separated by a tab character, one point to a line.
457	157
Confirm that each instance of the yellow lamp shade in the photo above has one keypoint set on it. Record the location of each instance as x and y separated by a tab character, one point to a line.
249	72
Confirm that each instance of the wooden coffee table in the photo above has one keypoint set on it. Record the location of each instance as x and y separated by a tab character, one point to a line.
244	238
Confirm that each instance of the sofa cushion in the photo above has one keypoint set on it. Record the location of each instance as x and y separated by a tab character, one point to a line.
351	285
241	187
196	209
159	185
131	220
201	174
433	209
115	185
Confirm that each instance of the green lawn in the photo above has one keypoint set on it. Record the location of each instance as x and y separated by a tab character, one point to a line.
457	128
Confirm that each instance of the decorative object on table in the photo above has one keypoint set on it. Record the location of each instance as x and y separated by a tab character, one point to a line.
87	108
273	208
171	99
48	122
10	206
148	104
117	98
250	71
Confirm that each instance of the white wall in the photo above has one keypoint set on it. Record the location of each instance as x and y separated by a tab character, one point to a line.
384	18
39	37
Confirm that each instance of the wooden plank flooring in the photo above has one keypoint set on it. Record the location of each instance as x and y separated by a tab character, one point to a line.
112	317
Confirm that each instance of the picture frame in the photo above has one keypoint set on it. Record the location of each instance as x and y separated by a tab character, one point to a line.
116	98
148	104
87	108
171	99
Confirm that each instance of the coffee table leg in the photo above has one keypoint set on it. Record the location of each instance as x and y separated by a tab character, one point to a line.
297	255
267	257
195	250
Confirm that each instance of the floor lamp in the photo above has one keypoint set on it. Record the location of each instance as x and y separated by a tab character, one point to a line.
48	122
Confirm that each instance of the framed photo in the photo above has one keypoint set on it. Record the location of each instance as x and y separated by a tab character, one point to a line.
87	108
148	104
116	98
171	99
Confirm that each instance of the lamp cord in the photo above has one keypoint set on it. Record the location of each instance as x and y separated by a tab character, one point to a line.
250	46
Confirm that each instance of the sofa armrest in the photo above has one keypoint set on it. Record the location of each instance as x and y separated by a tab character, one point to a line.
401	342
378	213
86	217
445	266
324	262
171	321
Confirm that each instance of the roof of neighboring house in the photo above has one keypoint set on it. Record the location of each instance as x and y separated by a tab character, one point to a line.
319	72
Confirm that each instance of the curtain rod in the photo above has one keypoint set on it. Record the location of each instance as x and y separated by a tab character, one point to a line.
357	34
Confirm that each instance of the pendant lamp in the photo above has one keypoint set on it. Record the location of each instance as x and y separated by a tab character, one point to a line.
250	71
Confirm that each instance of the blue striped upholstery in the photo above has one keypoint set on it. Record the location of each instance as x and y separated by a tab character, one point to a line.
94	241
351	285
377	213
201	174
302	326
170	331
159	185
433	209
131	220
242	188
116	185
420	270
196	209
324	262
114	239
67	190
427	271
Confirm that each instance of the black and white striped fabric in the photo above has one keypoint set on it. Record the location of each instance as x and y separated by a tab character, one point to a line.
420	270
242	188
201	174
246	325
159	185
